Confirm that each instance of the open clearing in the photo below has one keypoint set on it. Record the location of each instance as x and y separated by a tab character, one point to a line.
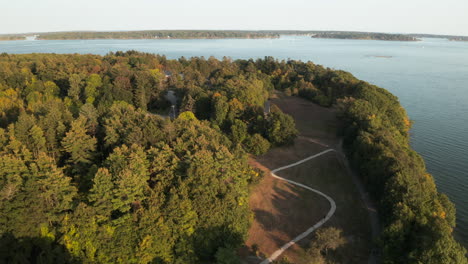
283	211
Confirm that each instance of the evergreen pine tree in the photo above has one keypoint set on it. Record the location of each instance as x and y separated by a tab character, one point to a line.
78	144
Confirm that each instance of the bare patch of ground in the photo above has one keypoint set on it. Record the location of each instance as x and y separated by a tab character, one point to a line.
327	174
282	211
312	121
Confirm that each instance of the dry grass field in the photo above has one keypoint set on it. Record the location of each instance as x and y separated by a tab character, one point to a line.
282	211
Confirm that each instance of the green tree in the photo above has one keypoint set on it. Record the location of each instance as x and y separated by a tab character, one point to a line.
56	191
10	106
145	85
220	109
256	144
38	142
82	236
51	90
182	220
93	82
53	122
74	91
328	238
227	256
101	194
91	114
23	126
36	188
188	104
129	167
164	165
123	124
80	150
236	109
78	144
187	115
281	128
238	131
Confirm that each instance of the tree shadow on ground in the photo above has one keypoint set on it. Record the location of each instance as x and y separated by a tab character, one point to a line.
281	198
290	211
27	250
208	240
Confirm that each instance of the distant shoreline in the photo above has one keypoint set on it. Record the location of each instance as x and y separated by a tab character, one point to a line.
459	39
365	36
24	39
219	34
151	34
381	56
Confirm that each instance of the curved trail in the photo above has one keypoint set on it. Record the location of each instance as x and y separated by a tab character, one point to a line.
330	213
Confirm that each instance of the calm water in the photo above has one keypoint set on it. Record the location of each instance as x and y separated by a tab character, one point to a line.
430	77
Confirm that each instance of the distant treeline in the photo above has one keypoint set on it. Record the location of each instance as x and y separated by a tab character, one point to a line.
458	38
449	37
12	37
365	35
156	34
220	34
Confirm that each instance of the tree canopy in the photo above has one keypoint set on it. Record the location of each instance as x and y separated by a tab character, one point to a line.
93	170
90	173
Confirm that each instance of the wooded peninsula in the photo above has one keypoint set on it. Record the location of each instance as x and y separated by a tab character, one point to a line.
93	170
146	34
220	34
458	38
365	36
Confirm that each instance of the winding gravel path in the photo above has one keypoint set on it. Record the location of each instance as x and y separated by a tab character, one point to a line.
330	213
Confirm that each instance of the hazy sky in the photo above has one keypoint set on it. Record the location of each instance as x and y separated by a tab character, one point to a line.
405	16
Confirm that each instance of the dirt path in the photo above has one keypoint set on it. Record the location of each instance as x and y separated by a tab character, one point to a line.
371	208
330	213
319	126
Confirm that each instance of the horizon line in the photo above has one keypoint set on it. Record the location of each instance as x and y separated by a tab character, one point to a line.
247	30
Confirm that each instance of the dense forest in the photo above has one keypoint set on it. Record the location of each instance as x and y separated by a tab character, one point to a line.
89	175
365	35
92	170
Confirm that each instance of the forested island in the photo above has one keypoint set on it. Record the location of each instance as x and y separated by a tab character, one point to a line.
365	35
92	171
148	34
455	38
220	34
449	37
4	37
